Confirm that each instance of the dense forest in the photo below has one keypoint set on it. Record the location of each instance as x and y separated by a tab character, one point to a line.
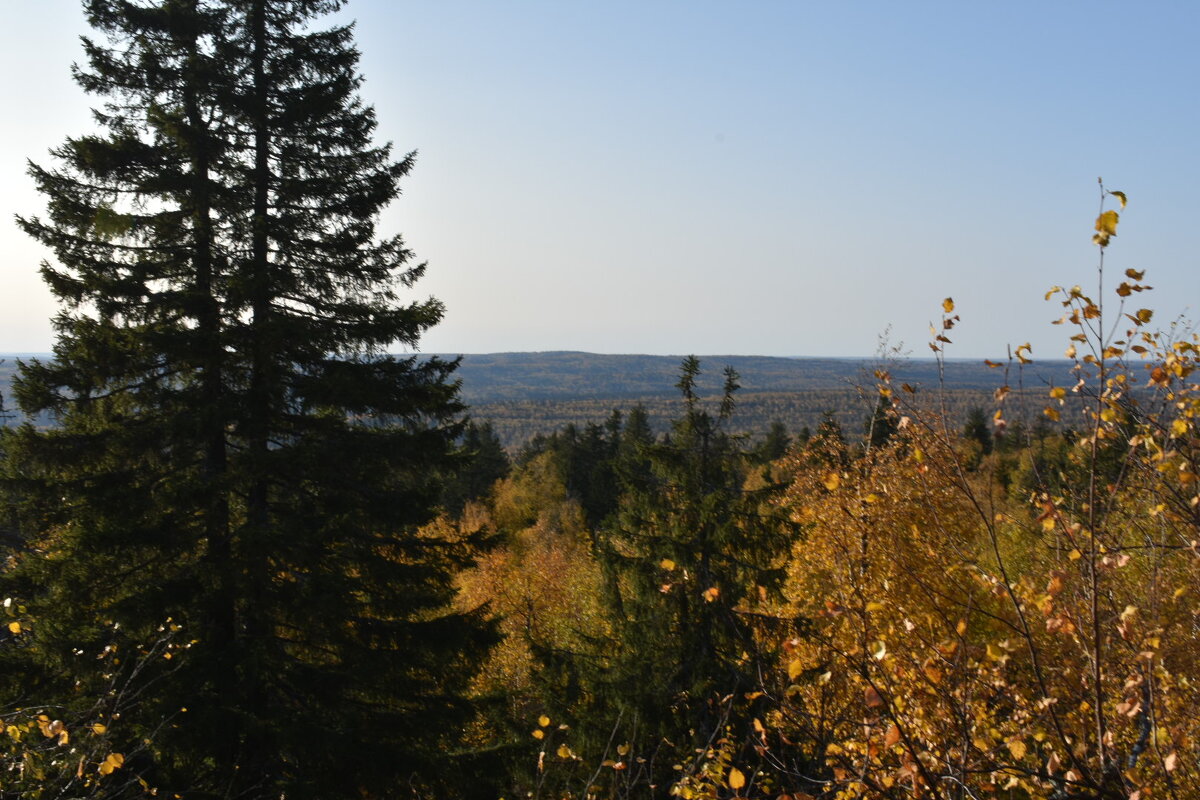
591	376
523	395
517	422
250	554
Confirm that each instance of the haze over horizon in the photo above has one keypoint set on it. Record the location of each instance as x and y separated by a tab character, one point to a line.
774	179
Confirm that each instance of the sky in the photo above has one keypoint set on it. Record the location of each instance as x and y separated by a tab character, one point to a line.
765	177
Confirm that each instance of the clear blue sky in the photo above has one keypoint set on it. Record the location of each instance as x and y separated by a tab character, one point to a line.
780	178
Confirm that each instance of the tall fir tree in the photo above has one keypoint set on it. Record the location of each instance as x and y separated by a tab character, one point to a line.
235	450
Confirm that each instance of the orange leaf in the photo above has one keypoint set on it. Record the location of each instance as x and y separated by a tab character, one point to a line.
892	736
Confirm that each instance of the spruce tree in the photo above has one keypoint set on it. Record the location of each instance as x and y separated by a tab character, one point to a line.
235	450
692	549
977	428
774	445
487	462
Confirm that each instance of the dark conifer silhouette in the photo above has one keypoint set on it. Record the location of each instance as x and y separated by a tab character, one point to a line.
236	450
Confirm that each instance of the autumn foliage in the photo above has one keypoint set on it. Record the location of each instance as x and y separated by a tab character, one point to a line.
957	620
1006	609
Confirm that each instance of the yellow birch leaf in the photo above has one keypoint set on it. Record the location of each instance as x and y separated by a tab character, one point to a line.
667	564
114	761
543	720
538	733
948	305
795	668
736	779
1121	197
1106	223
1017	748
14	627
832	481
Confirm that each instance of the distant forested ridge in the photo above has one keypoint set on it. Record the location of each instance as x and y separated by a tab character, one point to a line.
528	394
569	375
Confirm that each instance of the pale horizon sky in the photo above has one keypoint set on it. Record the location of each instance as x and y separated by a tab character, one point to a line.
770	178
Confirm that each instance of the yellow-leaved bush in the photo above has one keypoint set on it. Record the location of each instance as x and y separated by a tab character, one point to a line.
1039	641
